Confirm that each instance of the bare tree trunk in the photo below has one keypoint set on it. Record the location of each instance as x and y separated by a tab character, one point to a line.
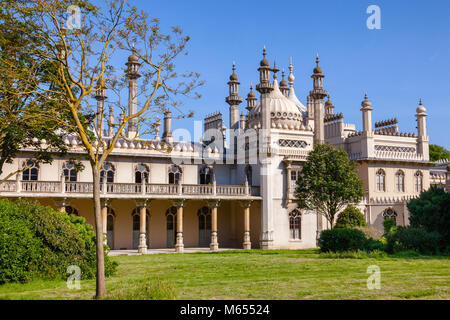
100	289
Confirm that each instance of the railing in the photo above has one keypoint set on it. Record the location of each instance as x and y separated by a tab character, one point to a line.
197	189
231	190
41	186
8	186
128	188
79	187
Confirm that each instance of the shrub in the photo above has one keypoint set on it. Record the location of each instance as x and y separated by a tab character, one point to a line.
37	241
350	217
410	238
388	224
431	211
341	239
374	245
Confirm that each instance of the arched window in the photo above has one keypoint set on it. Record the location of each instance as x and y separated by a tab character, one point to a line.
381	179
69	172
400	181
71	211
418	181
295	225
249	174
32	172
390	214
206	175
171	226
111	215
204	226
107	171
141	173
137	226
174	175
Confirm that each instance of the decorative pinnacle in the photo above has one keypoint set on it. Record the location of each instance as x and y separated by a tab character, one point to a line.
317	59
275	70
291	77
282	73
420	102
264	51
234	66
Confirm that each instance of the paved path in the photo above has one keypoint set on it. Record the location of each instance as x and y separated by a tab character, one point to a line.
133	252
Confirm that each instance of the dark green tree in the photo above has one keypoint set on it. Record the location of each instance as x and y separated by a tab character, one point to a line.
438	153
350	217
328	182
431	211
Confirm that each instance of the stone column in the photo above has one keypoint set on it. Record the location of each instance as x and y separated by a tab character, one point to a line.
142	247
179	204
246	245
214	204
288	181
104	203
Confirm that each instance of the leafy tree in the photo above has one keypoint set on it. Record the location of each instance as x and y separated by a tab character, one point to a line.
27	118
438	153
350	217
328	182
431	211
84	60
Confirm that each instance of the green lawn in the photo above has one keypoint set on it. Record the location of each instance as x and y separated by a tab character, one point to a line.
281	274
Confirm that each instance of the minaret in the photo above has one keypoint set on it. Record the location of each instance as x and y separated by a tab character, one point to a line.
111	122
100	96
234	100
329	108
132	74
242	122
167	130
422	139
283	85
266	173
317	95
251	99
366	115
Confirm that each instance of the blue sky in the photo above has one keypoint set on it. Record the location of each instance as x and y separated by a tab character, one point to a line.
408	59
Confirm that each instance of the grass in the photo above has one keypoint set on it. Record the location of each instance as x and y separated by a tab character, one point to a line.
257	274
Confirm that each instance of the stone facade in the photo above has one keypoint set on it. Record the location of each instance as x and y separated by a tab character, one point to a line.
235	192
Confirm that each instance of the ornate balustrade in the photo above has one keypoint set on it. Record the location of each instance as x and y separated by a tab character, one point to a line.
83	189
8	186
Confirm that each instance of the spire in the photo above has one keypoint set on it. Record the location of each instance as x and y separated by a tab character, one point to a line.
251	99
275	70
283	85
291	77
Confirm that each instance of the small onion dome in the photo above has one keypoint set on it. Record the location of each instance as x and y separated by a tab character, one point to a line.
366	102
133	58
251	94
328	103
233	77
317	70
283	83
421	108
264	62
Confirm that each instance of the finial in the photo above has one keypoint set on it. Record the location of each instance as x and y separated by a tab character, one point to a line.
317	58
420	102
275	70
365	96
291	77
264	51
234	66
282	73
